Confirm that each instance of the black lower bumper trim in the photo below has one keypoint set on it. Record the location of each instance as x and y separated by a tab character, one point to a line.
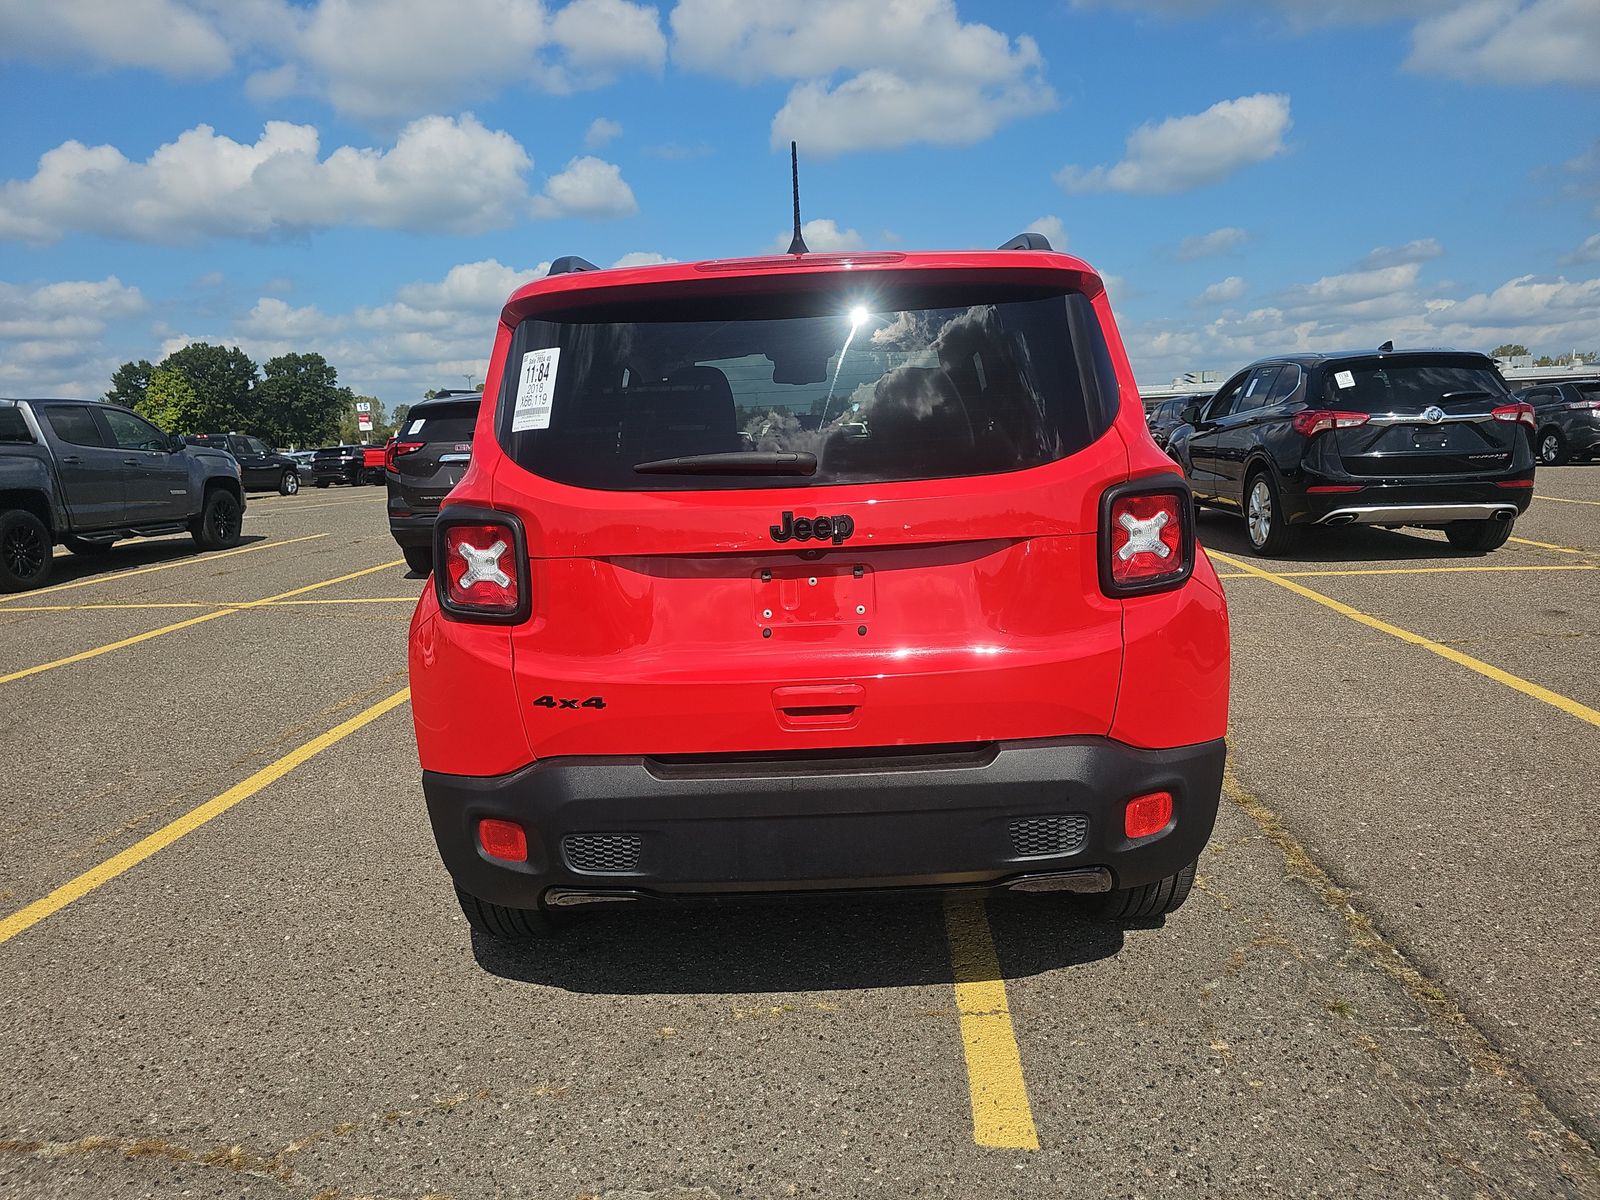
869	821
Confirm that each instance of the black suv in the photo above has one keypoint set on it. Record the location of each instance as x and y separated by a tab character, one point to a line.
263	468
338	464
1166	415
1389	437
425	459
1567	416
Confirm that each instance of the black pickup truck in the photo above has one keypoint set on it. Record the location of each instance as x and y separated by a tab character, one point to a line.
85	475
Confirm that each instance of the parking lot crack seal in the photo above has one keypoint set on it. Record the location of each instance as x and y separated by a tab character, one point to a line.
1446	1019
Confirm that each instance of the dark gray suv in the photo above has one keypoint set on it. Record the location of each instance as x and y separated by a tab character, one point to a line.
424	460
1567	416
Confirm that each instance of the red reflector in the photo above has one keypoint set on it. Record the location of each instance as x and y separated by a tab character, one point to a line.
1146	537
1514	483
503	839
1329	488
1148	814
480	568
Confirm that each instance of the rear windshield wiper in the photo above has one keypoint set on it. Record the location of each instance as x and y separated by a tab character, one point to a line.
1463	395
735	462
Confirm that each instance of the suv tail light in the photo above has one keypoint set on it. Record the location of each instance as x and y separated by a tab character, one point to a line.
481	566
1316	420
1515	412
396	449
1146	536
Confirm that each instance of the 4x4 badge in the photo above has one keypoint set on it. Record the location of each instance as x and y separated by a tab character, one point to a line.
804	529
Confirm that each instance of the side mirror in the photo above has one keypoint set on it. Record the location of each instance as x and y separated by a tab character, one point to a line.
177	444
1191	414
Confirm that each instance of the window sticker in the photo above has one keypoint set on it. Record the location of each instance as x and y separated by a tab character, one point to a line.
536	389
1344	379
416	426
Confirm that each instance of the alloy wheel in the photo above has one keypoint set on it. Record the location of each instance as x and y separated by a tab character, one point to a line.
225	519
291	483
1259	514
1549	448
25	552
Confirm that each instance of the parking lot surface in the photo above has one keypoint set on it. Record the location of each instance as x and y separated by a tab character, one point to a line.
233	966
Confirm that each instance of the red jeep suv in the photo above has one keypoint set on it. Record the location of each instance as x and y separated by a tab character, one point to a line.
817	572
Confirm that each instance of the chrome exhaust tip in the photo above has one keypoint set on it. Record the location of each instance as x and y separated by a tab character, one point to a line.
1090	880
569	898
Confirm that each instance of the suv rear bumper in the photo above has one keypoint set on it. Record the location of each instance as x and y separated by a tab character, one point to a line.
918	817
413	530
1409	503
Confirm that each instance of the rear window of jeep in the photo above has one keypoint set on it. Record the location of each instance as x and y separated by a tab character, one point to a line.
879	388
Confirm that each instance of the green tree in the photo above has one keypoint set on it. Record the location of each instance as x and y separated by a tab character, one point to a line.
129	383
298	402
222	379
1509	350
171	401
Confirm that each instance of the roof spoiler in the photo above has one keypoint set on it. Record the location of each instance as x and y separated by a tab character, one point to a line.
1024	241
568	264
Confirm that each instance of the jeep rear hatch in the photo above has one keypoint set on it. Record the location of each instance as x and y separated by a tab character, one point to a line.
866	516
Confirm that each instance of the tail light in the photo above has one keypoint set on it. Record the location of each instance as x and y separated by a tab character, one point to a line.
1146	536
1580	405
1316	420
481	566
395	449
1522	413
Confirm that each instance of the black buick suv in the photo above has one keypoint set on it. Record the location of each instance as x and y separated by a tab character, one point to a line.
1431	438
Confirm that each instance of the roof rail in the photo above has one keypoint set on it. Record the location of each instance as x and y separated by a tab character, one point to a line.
569	263
1028	241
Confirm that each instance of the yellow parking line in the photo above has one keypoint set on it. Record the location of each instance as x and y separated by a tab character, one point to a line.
83	655
1547	546
1408	571
356	600
1564	500
25	918
1565	703
182	562
1001	1115
21	608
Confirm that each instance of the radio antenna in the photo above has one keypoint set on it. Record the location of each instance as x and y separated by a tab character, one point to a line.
798	245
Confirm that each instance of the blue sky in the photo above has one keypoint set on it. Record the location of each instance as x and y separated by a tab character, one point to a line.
369	180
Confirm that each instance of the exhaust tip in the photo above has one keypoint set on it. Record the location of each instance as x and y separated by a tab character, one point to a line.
570	898
1091	880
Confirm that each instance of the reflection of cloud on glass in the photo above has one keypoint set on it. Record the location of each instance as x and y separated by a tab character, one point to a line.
908	330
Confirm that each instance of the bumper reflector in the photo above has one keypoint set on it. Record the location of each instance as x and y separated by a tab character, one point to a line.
1148	815
504	840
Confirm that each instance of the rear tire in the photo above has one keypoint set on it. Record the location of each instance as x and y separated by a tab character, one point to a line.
86	548
1151	899
322	483
221	521
1481	536
1270	535
419	559
502	924
1552	448
25	551
288	483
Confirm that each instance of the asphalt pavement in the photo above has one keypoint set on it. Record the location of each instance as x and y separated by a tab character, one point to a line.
231	965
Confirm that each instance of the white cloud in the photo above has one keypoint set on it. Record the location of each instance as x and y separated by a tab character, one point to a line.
1052	228
605	34
161	35
1295	14
1511	41
586	187
1181	153
470	287
52	335
1223	291
1421	250
643	258
1589	252
601	130
822	236
442	174
913	70
1209	245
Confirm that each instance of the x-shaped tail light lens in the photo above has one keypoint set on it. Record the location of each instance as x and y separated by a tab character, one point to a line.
480	569
1146	542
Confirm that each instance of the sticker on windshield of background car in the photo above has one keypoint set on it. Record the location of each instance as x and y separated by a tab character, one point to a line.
1344	379
536	389
416	426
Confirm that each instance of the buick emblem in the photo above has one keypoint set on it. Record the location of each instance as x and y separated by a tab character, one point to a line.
1433	414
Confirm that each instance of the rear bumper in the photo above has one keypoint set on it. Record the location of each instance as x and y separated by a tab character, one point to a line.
413	530
923	818
1409	503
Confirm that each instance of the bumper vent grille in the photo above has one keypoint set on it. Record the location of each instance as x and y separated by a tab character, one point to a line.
1039	836
602	852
